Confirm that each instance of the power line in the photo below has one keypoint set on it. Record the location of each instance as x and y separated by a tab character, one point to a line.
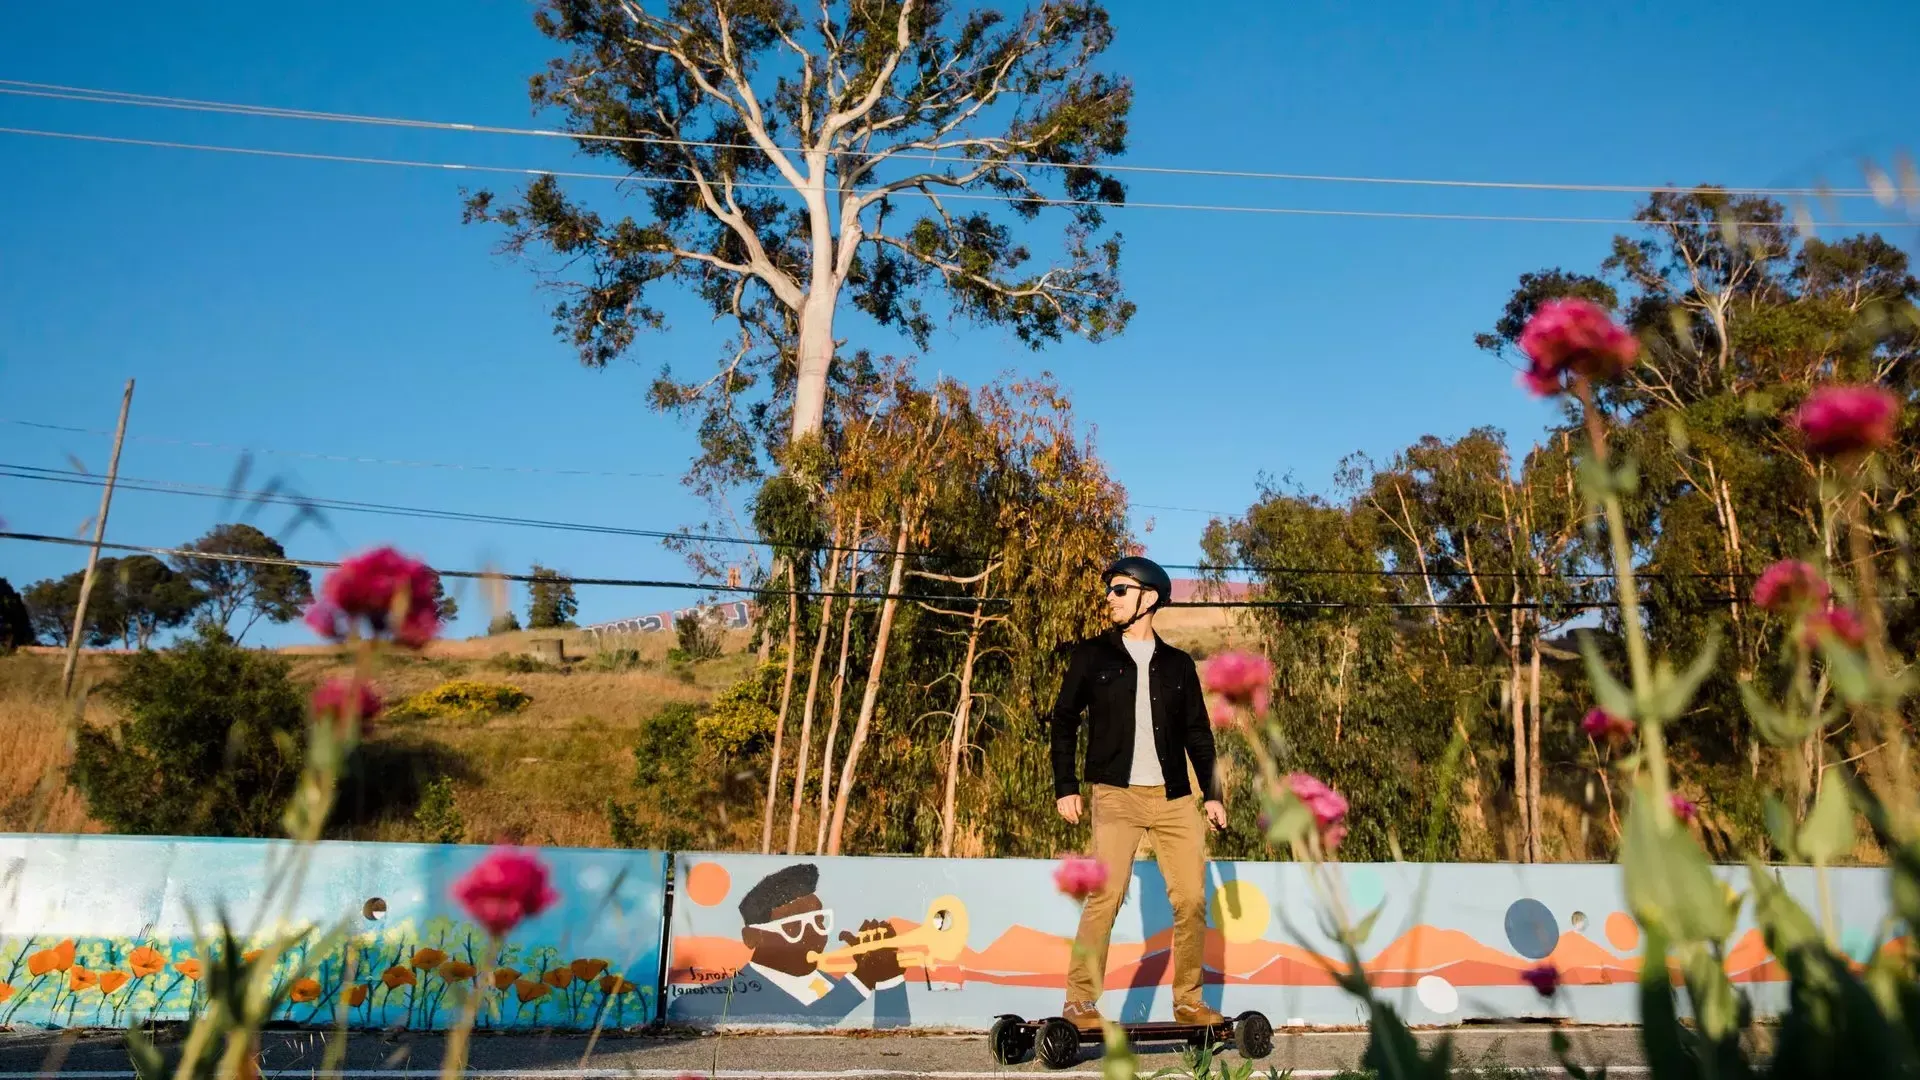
23	88
484	575
285	498
959	196
320	564
356	459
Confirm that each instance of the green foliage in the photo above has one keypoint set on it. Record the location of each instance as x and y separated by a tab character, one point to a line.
685	790
504	623
16	623
210	746
1035	92
461	699
697	638
615	660
438	816
443	602
740	720
522	664
550	600
250	591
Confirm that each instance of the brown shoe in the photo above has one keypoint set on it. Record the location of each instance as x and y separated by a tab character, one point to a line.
1197	1015
1084	1015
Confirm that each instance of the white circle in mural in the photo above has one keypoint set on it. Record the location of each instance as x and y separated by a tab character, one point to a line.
1437	994
594	878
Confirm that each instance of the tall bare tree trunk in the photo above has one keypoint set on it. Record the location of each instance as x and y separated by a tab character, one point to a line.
804	758
1536	851
786	699
1517	701
872	696
961	711
839	699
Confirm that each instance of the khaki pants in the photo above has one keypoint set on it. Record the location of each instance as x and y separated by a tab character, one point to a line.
1120	817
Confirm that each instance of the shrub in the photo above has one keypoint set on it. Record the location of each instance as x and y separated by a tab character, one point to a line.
522	664
698	637
210	746
462	698
616	660
504	623
438	816
739	720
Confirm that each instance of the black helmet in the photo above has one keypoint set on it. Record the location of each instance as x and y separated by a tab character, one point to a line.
1147	573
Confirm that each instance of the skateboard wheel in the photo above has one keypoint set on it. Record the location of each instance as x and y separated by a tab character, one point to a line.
1253	1035
1059	1043
1010	1039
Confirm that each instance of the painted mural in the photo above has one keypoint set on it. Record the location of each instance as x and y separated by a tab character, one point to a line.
100	931
770	941
737	615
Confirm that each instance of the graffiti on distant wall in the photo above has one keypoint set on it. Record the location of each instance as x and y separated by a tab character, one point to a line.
108	937
782	942
734	616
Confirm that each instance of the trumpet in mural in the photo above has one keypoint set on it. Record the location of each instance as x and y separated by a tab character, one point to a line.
940	939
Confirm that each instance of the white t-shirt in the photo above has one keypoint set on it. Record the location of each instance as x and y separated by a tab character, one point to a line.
1146	759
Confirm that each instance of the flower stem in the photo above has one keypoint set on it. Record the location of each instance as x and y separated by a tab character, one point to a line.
1638	664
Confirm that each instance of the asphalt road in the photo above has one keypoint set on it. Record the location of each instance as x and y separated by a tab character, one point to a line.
25	1054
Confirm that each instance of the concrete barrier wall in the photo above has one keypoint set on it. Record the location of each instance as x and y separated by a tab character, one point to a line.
1448	946
100	931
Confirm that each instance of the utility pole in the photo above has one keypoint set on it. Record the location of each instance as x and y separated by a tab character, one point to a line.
99	535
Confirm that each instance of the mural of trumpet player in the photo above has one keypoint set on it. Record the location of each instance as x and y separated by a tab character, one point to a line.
786	978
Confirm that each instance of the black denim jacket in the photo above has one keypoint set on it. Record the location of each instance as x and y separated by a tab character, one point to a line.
1100	682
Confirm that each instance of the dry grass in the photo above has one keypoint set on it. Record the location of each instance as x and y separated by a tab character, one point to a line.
541	774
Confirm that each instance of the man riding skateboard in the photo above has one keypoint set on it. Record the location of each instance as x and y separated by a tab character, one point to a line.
1146	718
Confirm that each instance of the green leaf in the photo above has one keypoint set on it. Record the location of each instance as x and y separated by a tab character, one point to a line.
1849	671
1665	1040
1627	479
1669	882
1596	483
1363	929
1118	1062
1784	924
1715	1007
1828	832
1671	694
1780	827
1607	690
148	1062
1775	726
1291	821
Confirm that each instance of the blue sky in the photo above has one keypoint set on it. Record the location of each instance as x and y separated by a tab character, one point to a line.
344	310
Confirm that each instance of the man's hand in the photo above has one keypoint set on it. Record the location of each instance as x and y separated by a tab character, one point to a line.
1069	807
880	965
1216	814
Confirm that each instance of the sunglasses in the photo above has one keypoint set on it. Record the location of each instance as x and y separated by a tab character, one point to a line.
794	927
1123	589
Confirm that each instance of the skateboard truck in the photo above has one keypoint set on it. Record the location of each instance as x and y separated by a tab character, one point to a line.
1058	1042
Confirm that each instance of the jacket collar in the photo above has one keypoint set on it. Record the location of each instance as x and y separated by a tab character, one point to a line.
1117	643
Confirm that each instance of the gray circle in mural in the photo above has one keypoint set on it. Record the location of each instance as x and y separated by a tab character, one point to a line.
1531	929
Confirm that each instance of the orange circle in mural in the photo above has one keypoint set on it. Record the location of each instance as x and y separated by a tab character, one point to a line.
1622	931
707	883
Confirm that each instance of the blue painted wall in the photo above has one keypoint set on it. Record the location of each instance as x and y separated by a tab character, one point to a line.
100	931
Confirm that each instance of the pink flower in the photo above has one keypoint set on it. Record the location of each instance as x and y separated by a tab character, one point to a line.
504	888
378	587
1839	420
1328	806
1080	877
1683	808
338	698
1544	979
1602	726
1240	679
1836	621
1787	584
1574	336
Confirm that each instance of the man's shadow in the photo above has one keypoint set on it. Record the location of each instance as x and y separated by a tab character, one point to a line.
1156	916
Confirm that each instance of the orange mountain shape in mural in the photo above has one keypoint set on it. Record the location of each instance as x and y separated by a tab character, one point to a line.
695	956
1749	960
1021	950
1428	949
